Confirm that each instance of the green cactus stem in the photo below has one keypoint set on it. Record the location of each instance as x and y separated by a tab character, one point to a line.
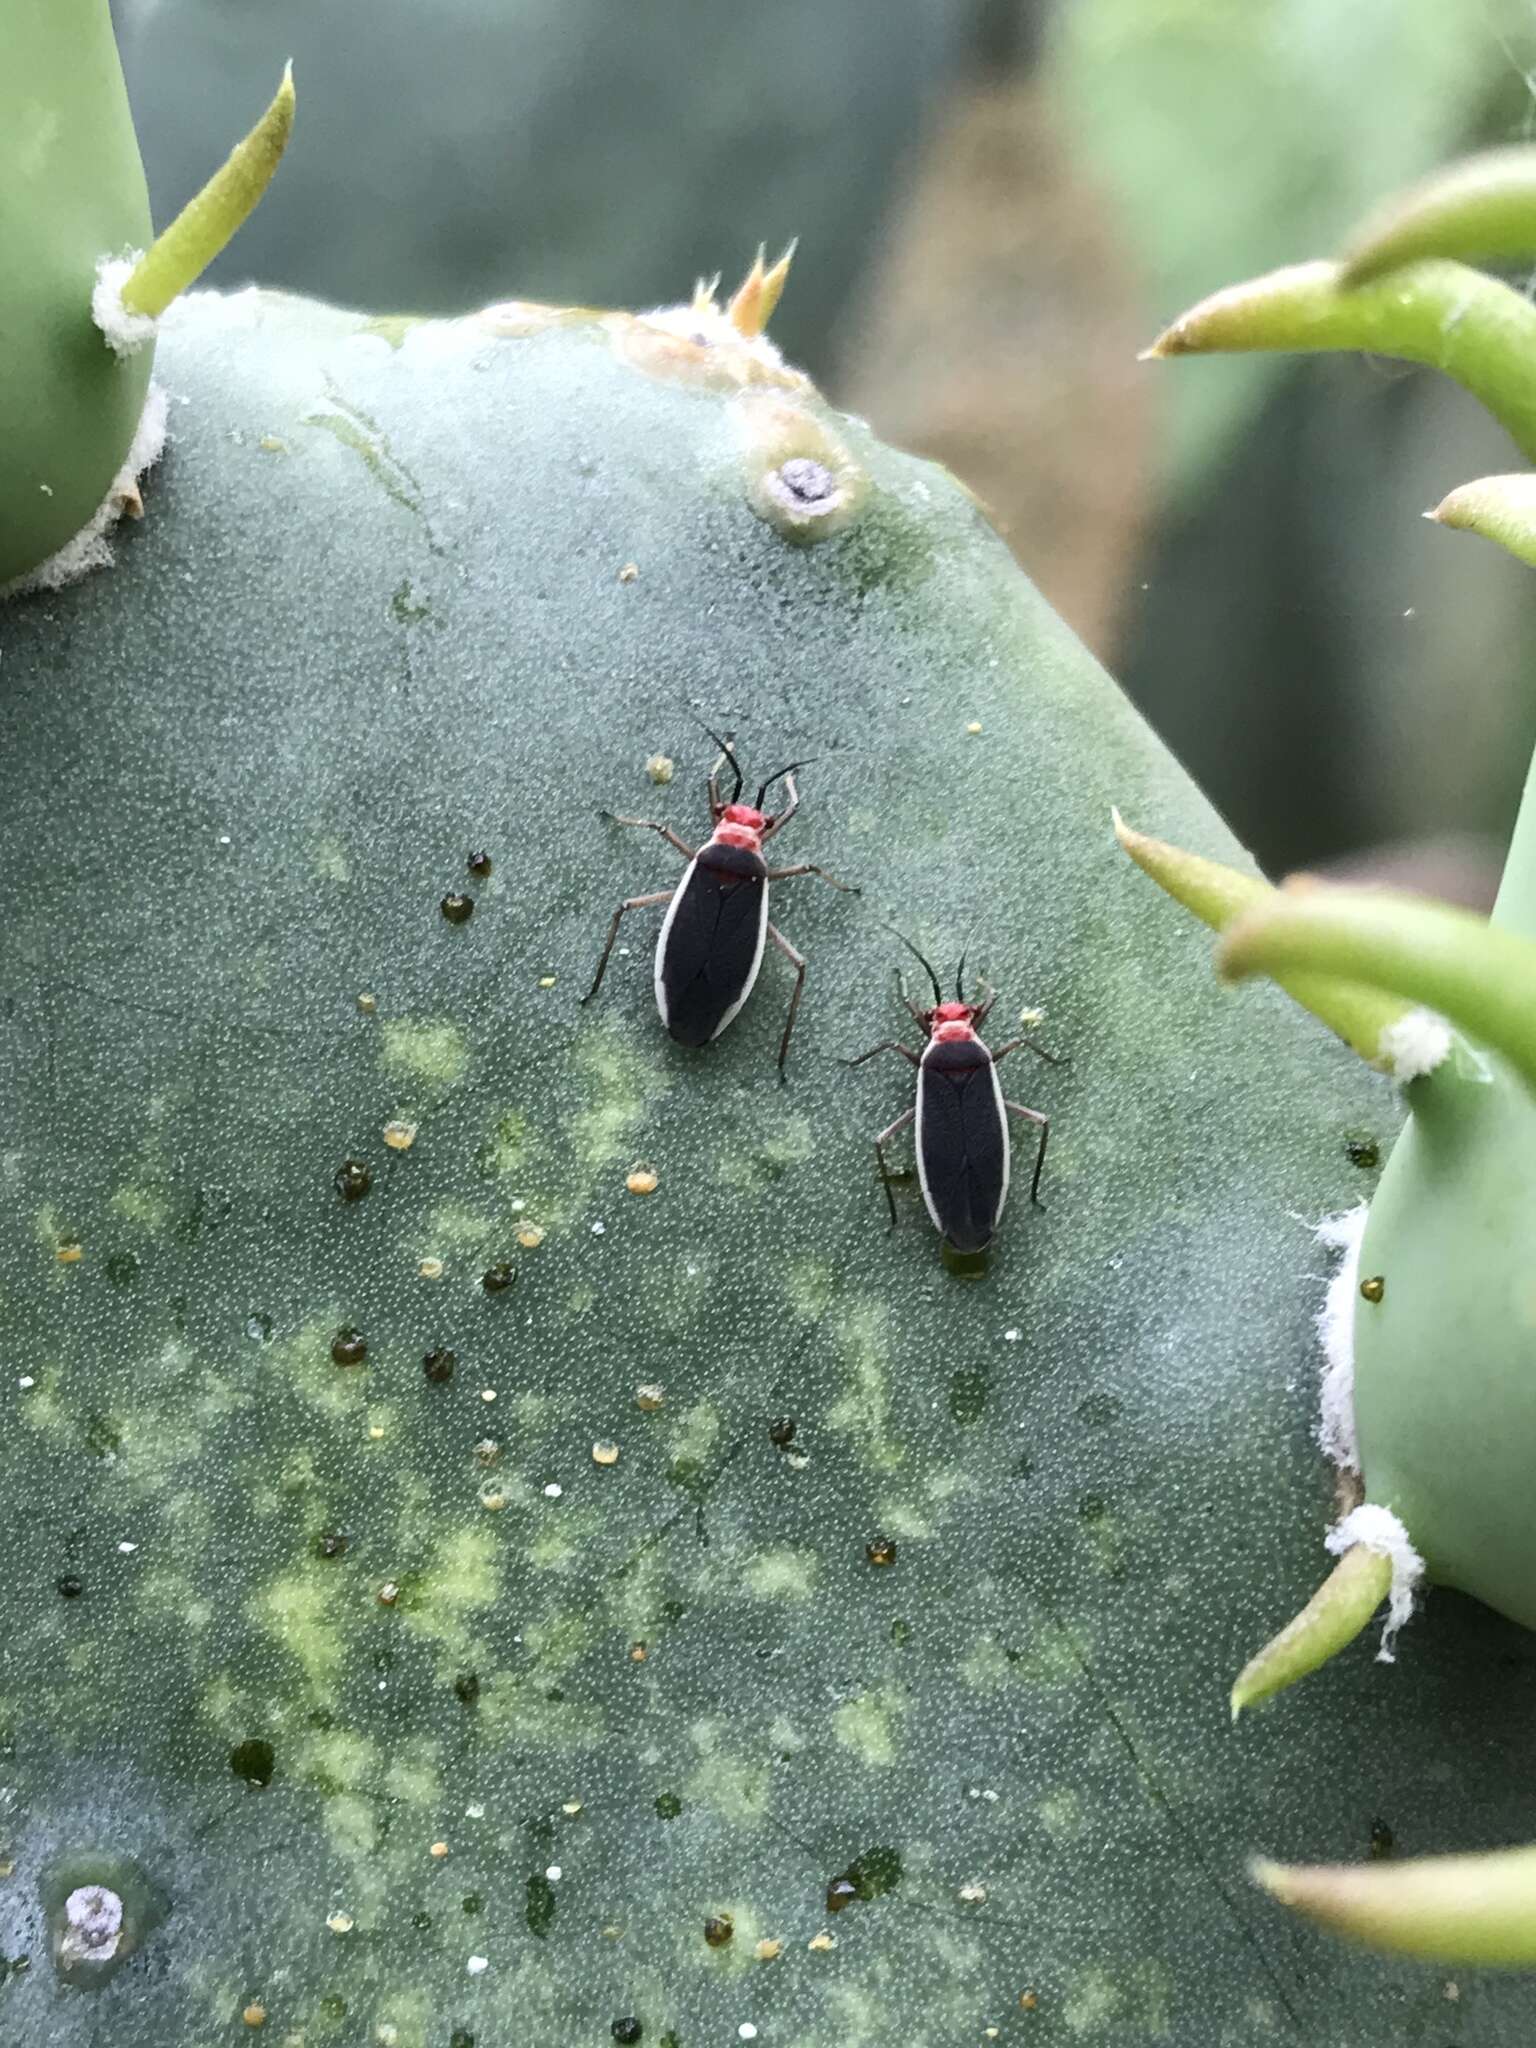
1476	329
210	220
1337	1612
1482	210
1481	977
71	191
1499	508
1442	1909
1371	1023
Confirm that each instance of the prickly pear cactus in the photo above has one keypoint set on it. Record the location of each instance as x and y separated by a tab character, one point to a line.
501	1544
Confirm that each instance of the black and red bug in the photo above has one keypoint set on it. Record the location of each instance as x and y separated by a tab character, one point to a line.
961	1114
716	927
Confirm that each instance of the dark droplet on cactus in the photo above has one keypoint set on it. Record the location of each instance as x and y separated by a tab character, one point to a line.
1383	1841
71	1586
122	1271
479	865
968	1390
869	1876
349	1347
1362	1152
457	909
1373	1288
254	1761
333	2007
438	1366
466	1687
498	1279
540	1906
471	1903
782	1432
354	1177
627	2030
882	1551
259	1329
901	1633
668	1805
718	1929
461	2038
332	1543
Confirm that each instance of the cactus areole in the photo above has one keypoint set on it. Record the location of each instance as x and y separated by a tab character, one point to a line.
365	1701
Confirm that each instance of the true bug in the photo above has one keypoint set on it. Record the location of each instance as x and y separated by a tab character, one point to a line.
712	938
961	1114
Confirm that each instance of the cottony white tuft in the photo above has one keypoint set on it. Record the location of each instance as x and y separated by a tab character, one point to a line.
126	332
1336	1335
1381	1531
1415	1045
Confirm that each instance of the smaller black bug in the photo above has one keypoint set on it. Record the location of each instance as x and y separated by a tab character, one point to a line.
961	1114
716	926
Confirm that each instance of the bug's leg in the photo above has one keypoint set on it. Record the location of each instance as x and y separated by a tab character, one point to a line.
629	903
1053	1059
1035	1116
885	1045
797	961
650	825
881	1142
809	867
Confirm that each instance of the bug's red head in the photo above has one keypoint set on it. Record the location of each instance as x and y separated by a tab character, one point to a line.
950	1022
741	825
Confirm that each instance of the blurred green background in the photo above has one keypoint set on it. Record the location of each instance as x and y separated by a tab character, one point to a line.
998	203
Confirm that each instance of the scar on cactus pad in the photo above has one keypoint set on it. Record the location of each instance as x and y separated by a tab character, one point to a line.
1429	1329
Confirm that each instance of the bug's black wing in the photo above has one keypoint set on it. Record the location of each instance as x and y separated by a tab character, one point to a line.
962	1143
712	943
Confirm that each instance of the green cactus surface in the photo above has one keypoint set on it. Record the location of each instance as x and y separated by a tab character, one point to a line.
391	1706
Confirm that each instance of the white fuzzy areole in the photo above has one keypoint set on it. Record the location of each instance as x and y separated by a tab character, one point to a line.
709	325
1414	1046
90	548
1381	1531
1335	1322
661	953
126	332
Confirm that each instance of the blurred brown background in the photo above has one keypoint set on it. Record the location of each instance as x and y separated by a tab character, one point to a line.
998	203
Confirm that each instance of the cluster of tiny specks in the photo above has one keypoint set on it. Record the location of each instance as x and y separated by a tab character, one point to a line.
810	1565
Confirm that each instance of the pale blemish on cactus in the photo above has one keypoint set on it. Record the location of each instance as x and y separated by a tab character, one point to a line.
870	1725
863	1412
432	1054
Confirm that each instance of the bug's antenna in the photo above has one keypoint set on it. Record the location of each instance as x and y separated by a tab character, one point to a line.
964	955
758	800
938	993
729	752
